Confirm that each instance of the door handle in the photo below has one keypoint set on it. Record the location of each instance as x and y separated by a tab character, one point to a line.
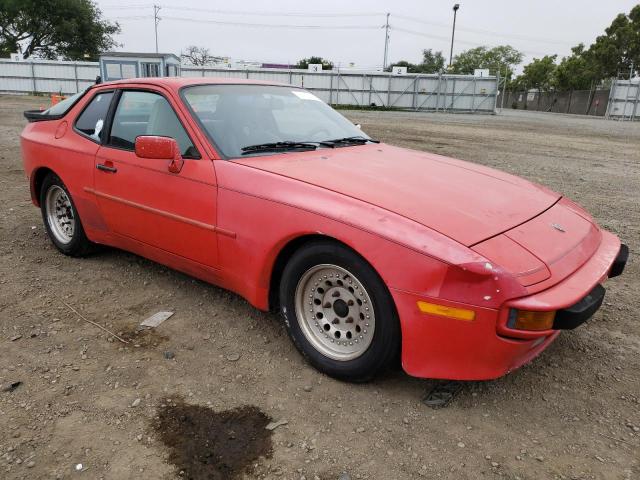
106	168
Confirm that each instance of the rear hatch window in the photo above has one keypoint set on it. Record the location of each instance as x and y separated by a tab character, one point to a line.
54	112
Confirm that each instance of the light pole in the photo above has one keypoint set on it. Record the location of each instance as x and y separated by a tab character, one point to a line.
453	32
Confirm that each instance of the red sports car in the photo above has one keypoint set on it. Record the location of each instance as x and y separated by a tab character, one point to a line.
369	251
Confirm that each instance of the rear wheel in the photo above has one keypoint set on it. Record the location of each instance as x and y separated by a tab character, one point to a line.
61	218
338	312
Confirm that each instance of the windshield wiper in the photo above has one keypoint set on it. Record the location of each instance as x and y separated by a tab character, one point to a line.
277	146
358	140
309	145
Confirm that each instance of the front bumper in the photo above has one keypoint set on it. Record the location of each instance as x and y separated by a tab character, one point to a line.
575	315
620	262
486	348
570	297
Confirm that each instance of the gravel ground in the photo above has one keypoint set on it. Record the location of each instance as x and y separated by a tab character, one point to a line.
92	407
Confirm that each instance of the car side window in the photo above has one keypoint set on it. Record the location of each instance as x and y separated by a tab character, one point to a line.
147	113
91	120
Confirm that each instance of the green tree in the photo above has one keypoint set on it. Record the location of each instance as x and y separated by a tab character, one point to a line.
576	71
615	52
432	62
305	62
411	67
539	74
501	59
72	29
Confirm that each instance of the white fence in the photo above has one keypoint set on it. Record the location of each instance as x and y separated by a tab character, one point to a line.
452	93
46	77
624	100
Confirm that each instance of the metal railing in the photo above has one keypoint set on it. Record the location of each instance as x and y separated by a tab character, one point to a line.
438	92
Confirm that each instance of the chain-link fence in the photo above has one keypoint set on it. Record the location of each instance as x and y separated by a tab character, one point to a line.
579	102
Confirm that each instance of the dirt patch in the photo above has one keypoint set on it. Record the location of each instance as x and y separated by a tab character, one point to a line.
208	445
143	338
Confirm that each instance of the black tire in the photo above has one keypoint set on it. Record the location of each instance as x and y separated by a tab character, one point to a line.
385	345
79	245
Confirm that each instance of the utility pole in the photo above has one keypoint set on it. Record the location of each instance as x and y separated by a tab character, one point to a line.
504	85
453	32
386	43
156	20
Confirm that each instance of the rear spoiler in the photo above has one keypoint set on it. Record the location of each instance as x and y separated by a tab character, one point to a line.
40	116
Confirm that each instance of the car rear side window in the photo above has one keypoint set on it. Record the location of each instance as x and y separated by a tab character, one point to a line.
147	113
92	118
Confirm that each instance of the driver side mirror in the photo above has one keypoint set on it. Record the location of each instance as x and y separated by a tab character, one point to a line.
160	148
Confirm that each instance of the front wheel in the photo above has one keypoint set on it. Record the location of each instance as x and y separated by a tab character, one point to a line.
61	218
338	312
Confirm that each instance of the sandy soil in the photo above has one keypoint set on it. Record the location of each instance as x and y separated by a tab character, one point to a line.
122	410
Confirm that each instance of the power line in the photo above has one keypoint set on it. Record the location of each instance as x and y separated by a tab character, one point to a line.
341	15
135	17
388	27
274	25
271	13
483	32
126	7
312	27
439	37
426	35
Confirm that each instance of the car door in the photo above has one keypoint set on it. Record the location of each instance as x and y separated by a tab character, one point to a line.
72	154
140	198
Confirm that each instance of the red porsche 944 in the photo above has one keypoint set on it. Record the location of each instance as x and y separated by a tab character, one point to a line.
369	251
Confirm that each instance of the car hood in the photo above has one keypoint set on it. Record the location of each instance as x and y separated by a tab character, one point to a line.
466	202
547	248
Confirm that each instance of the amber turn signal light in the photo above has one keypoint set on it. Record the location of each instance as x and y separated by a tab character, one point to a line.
443	311
529	320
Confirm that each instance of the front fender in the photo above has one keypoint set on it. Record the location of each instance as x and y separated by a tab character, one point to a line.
267	211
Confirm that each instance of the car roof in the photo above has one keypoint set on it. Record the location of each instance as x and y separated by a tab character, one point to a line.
178	82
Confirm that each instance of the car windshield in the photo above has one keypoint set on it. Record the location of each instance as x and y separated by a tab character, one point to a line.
253	120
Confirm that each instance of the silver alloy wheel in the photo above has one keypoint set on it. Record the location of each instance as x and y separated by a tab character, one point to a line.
60	215
335	312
